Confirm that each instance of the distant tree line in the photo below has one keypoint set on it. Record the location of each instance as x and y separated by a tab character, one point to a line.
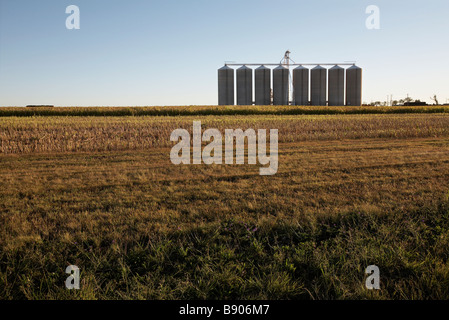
408	101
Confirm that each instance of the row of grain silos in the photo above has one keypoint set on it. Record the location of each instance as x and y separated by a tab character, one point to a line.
327	86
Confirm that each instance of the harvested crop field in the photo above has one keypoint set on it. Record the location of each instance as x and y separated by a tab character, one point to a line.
100	192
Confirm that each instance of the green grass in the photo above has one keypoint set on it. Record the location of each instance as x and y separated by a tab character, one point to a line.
320	258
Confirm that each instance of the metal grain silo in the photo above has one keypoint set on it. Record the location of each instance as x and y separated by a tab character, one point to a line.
225	86
336	86
263	86
280	86
354	86
318	81
301	86
244	86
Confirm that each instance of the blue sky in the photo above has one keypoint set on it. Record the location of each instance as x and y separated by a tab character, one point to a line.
167	52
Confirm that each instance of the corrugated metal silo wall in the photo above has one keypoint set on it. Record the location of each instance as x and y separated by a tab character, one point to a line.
354	86
280	86
336	86
263	86
318	84
225	86
244	86
301	86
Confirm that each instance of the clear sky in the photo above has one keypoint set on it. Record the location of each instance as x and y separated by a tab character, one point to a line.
167	52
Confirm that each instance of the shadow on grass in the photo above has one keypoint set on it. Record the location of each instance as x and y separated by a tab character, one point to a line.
320	258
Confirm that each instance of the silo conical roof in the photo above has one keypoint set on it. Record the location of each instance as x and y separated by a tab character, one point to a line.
280	67
336	67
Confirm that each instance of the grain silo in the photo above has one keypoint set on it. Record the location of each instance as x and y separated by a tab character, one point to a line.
244	86
336	86
318	86
308	86
263	86
280	86
225	86
354	86
301	86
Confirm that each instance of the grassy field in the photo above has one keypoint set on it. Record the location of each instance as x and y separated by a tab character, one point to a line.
98	190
